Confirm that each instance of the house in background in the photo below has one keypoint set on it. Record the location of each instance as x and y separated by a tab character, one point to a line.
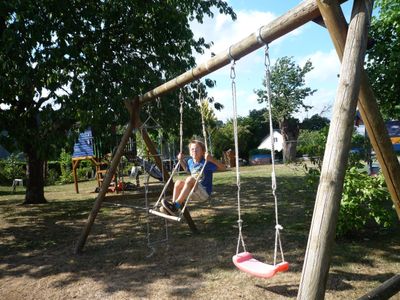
261	158
278	141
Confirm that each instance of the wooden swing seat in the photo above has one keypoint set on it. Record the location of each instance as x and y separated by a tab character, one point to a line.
165	216
247	263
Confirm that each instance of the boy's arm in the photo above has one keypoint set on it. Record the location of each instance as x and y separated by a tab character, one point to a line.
220	166
182	161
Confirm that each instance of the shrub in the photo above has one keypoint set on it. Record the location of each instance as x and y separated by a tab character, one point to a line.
82	172
365	202
365	199
52	177
12	168
313	143
66	167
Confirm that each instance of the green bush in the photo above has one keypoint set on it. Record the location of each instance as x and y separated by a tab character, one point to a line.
365	202
12	168
313	143
52	177
82	172
66	167
3	177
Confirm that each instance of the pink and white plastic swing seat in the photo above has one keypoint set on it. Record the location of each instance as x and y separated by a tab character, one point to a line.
244	261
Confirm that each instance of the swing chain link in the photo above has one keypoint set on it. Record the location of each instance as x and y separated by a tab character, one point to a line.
267	61
233	72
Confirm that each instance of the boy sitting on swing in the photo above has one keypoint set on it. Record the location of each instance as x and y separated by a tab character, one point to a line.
182	188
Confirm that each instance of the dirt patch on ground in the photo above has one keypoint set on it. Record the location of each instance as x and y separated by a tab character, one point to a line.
37	242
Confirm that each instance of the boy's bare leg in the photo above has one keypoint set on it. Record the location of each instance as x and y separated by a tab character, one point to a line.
179	184
188	185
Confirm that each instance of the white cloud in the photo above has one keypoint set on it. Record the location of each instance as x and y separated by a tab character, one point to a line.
224	32
321	103
326	68
250	69
223	96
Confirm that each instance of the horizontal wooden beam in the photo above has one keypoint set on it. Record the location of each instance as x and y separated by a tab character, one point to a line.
304	12
386	290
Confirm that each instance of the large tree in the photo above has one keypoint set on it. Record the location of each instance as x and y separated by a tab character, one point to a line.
288	94
68	61
383	59
315	123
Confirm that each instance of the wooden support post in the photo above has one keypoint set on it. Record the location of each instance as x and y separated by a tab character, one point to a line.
323	227
189	221
388	289
367	105
75	164
104	187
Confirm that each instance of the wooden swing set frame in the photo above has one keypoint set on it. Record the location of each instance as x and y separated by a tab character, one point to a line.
354	89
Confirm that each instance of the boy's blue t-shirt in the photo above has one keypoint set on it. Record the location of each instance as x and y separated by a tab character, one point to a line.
206	180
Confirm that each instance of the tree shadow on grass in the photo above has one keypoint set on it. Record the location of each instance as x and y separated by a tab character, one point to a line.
11	193
288	290
38	241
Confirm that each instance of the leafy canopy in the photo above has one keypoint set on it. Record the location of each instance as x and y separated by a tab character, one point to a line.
383	60
63	62
287	88
68	61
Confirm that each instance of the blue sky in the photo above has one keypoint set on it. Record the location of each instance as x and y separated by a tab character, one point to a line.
310	41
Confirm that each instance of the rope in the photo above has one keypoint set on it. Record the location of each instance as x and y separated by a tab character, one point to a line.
206	148
145	125
150	244
235	133
201	101
273	176
181	102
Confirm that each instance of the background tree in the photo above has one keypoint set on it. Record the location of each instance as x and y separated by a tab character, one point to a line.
258	126
316	122
288	94
68	61
224	140
210	122
383	59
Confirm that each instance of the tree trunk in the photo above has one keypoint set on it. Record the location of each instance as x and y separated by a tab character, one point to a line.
35	180
290	133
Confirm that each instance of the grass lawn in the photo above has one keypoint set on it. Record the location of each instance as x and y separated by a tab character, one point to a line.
37	260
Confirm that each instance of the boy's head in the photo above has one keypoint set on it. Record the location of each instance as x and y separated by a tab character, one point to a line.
197	149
